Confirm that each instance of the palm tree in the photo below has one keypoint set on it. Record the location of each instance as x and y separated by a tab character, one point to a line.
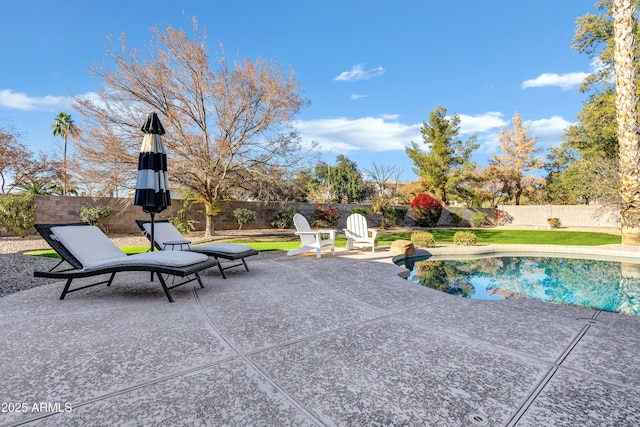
40	187
63	125
627	118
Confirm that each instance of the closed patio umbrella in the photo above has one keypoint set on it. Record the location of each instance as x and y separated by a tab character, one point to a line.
152	185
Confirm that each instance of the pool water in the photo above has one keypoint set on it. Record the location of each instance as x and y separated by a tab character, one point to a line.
603	285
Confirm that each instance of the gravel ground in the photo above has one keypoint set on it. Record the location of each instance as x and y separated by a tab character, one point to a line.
16	269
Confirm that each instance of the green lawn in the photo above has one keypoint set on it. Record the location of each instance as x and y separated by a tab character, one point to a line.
525	237
528	237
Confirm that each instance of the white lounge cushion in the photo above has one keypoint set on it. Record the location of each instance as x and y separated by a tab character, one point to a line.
226	248
89	245
164	258
164	232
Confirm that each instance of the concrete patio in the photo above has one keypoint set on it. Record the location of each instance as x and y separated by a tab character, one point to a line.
340	341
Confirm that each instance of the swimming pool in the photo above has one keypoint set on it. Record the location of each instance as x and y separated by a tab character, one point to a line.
603	285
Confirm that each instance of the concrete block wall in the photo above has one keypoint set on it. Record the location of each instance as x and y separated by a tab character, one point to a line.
569	215
57	209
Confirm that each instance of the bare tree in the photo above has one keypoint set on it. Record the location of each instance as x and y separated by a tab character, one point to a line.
105	163
18	165
385	178
224	127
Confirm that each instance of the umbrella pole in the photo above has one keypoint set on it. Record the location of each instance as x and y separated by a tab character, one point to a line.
152	237
152	232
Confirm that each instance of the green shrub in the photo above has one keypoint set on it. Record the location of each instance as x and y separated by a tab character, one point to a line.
93	214
427	210
284	218
244	216
465	238
456	218
361	211
554	222
423	239
395	215
17	213
478	219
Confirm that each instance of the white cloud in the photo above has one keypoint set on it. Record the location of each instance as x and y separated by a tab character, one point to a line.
386	134
356	96
564	81
481	123
93	97
358	72
367	133
24	102
549	131
21	101
390	116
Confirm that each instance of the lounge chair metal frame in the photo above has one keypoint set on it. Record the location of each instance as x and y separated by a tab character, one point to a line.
202	250
78	271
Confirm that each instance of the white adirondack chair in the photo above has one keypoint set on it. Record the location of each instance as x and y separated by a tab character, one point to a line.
312	239
359	234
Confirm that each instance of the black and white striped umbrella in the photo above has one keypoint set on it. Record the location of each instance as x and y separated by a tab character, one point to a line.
152	185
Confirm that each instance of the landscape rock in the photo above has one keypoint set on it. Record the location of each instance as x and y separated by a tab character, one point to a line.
403	247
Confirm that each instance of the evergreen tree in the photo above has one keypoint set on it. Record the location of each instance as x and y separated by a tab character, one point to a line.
446	166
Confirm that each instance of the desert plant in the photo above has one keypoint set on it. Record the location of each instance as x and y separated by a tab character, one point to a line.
423	239
92	215
395	215
17	213
427	210
478	219
244	216
554	222
456	218
284	218
503	218
326	216
465	238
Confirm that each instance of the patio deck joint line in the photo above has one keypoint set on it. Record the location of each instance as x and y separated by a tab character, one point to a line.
123	391
326	332
572	345
532	397
257	367
545	380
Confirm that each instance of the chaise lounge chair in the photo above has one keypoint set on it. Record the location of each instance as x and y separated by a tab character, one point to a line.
359	235
168	238
312	239
90	253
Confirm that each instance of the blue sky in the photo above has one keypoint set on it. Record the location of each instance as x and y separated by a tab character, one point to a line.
373	70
